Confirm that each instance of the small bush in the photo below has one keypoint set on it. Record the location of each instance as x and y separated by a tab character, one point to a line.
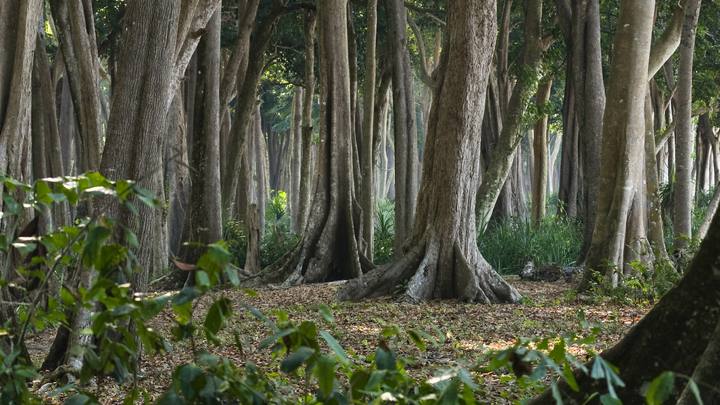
509	244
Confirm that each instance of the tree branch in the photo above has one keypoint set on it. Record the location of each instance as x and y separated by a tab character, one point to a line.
425	75
668	42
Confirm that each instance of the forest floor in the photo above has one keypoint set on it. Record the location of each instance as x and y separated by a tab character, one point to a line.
463	332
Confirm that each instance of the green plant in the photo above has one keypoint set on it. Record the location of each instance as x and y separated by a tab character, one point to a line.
509	244
384	231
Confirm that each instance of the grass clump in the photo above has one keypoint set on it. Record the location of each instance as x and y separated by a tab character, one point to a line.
510	243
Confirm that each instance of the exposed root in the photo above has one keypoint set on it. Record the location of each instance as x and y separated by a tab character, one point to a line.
432	273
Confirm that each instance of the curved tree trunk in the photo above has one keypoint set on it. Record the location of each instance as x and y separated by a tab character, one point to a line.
504	153
329	249
441	259
675	335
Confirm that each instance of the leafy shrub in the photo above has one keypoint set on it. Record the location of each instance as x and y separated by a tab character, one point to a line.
509	244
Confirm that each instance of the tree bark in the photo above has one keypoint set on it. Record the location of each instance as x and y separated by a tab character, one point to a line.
329	249
368	149
540	144
441	259
307	127
504	151
623	134
683	193
296	161
76	30
204	223
405	135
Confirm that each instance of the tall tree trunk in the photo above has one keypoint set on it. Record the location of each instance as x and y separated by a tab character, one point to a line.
138	118
76	30
442	259
683	194
504	151
540	144
296	160
623	134
307	167
204	223
589	102
368	149
246	101
329	249
406	156
656	233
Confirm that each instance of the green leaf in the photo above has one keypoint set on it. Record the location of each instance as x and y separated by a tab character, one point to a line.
218	312
556	394
417	340
335	346
325	373
326	313
202	279
660	388
692	385
608	399
385	359
296	359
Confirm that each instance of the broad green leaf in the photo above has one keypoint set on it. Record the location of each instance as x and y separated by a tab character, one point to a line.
325	373
660	388
335	346
296	359
326	313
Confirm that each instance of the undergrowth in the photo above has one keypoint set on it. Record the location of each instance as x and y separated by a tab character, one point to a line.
510	243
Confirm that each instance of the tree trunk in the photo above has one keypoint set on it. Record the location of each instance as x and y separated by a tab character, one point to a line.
138	118
296	161
656	233
540	144
589	102
504	151
441	259
306	168
329	249
406	156
76	30
368	149
204	222
683	193
651	347
623	134
246	101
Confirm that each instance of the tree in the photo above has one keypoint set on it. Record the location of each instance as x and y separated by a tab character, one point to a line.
441	259
405	135
623	136
674	336
204	224
368	155
683	193
329	248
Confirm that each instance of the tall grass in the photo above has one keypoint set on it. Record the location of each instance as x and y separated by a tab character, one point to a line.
509	244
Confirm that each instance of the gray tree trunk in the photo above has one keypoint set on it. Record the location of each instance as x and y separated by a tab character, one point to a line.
442	259
405	134
683	191
329	249
623	134
368	150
